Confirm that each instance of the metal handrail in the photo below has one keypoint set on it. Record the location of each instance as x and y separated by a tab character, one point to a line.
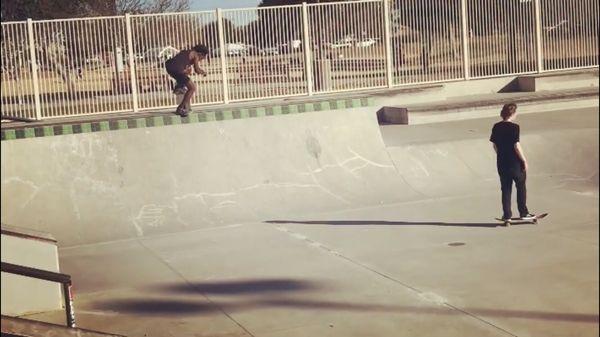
63	279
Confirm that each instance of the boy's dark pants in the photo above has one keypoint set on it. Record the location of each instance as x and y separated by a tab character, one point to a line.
507	176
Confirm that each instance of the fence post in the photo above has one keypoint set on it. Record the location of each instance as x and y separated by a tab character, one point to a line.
538	37
223	52
34	71
465	39
388	44
132	72
307	50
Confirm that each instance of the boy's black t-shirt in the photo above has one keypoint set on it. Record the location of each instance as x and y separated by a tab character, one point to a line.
179	62
505	135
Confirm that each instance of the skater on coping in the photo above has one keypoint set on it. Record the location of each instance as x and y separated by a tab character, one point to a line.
179	67
511	162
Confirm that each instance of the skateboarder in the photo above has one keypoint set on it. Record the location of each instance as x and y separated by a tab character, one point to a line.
179	67
510	161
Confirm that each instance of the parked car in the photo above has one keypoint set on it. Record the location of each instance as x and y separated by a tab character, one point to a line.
560	26
366	42
269	51
236	49
160	54
289	47
343	43
94	62
251	50
565	27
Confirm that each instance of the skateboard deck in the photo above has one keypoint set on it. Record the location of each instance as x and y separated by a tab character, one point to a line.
533	220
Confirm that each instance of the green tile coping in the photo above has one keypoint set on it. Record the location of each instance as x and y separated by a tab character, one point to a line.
204	116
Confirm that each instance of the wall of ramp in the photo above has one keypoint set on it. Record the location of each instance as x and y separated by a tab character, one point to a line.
456	158
109	185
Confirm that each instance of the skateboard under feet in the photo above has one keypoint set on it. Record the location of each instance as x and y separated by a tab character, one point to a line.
533	220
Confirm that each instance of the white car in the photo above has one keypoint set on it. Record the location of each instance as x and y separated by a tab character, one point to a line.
94	62
557	27
344	43
366	42
269	51
341	44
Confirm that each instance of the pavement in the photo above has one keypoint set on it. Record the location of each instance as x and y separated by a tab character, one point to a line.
431	262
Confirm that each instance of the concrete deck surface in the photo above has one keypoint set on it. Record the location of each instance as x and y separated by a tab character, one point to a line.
436	266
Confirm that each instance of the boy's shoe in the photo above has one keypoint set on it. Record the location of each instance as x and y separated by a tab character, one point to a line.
528	216
507	221
179	90
181	112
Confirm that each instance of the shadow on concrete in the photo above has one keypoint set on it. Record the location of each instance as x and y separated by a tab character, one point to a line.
241	287
160	307
391	223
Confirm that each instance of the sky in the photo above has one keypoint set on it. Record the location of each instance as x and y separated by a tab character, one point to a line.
209	5
203	5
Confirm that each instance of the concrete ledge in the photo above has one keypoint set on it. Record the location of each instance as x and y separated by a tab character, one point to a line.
489	106
134	121
14	326
26	233
29	248
392	115
558	81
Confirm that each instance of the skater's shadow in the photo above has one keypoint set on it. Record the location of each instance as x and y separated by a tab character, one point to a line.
389	223
289	295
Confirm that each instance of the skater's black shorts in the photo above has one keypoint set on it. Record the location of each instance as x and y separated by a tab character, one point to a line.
181	78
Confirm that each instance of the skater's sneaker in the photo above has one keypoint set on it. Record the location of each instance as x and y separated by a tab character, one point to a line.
179	90
506	220
527	216
181	112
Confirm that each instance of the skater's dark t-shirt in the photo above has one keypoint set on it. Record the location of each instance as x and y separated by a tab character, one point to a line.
181	61
505	135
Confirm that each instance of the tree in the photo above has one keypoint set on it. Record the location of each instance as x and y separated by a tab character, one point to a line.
61	47
427	21
19	10
148	7
286	26
210	33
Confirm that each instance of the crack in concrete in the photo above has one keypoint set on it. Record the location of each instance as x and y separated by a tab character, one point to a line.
427	296
191	285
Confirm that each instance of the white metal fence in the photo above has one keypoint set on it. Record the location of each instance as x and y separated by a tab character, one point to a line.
78	68
426	41
349	46
18	97
112	64
501	37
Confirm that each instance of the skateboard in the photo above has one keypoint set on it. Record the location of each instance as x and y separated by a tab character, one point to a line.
532	220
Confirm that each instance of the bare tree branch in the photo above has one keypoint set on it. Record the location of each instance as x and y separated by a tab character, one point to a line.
151	6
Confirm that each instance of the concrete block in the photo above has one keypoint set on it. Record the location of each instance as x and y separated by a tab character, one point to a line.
20	294
392	115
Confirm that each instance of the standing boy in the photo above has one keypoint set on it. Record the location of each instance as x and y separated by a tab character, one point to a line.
179	67
511	161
